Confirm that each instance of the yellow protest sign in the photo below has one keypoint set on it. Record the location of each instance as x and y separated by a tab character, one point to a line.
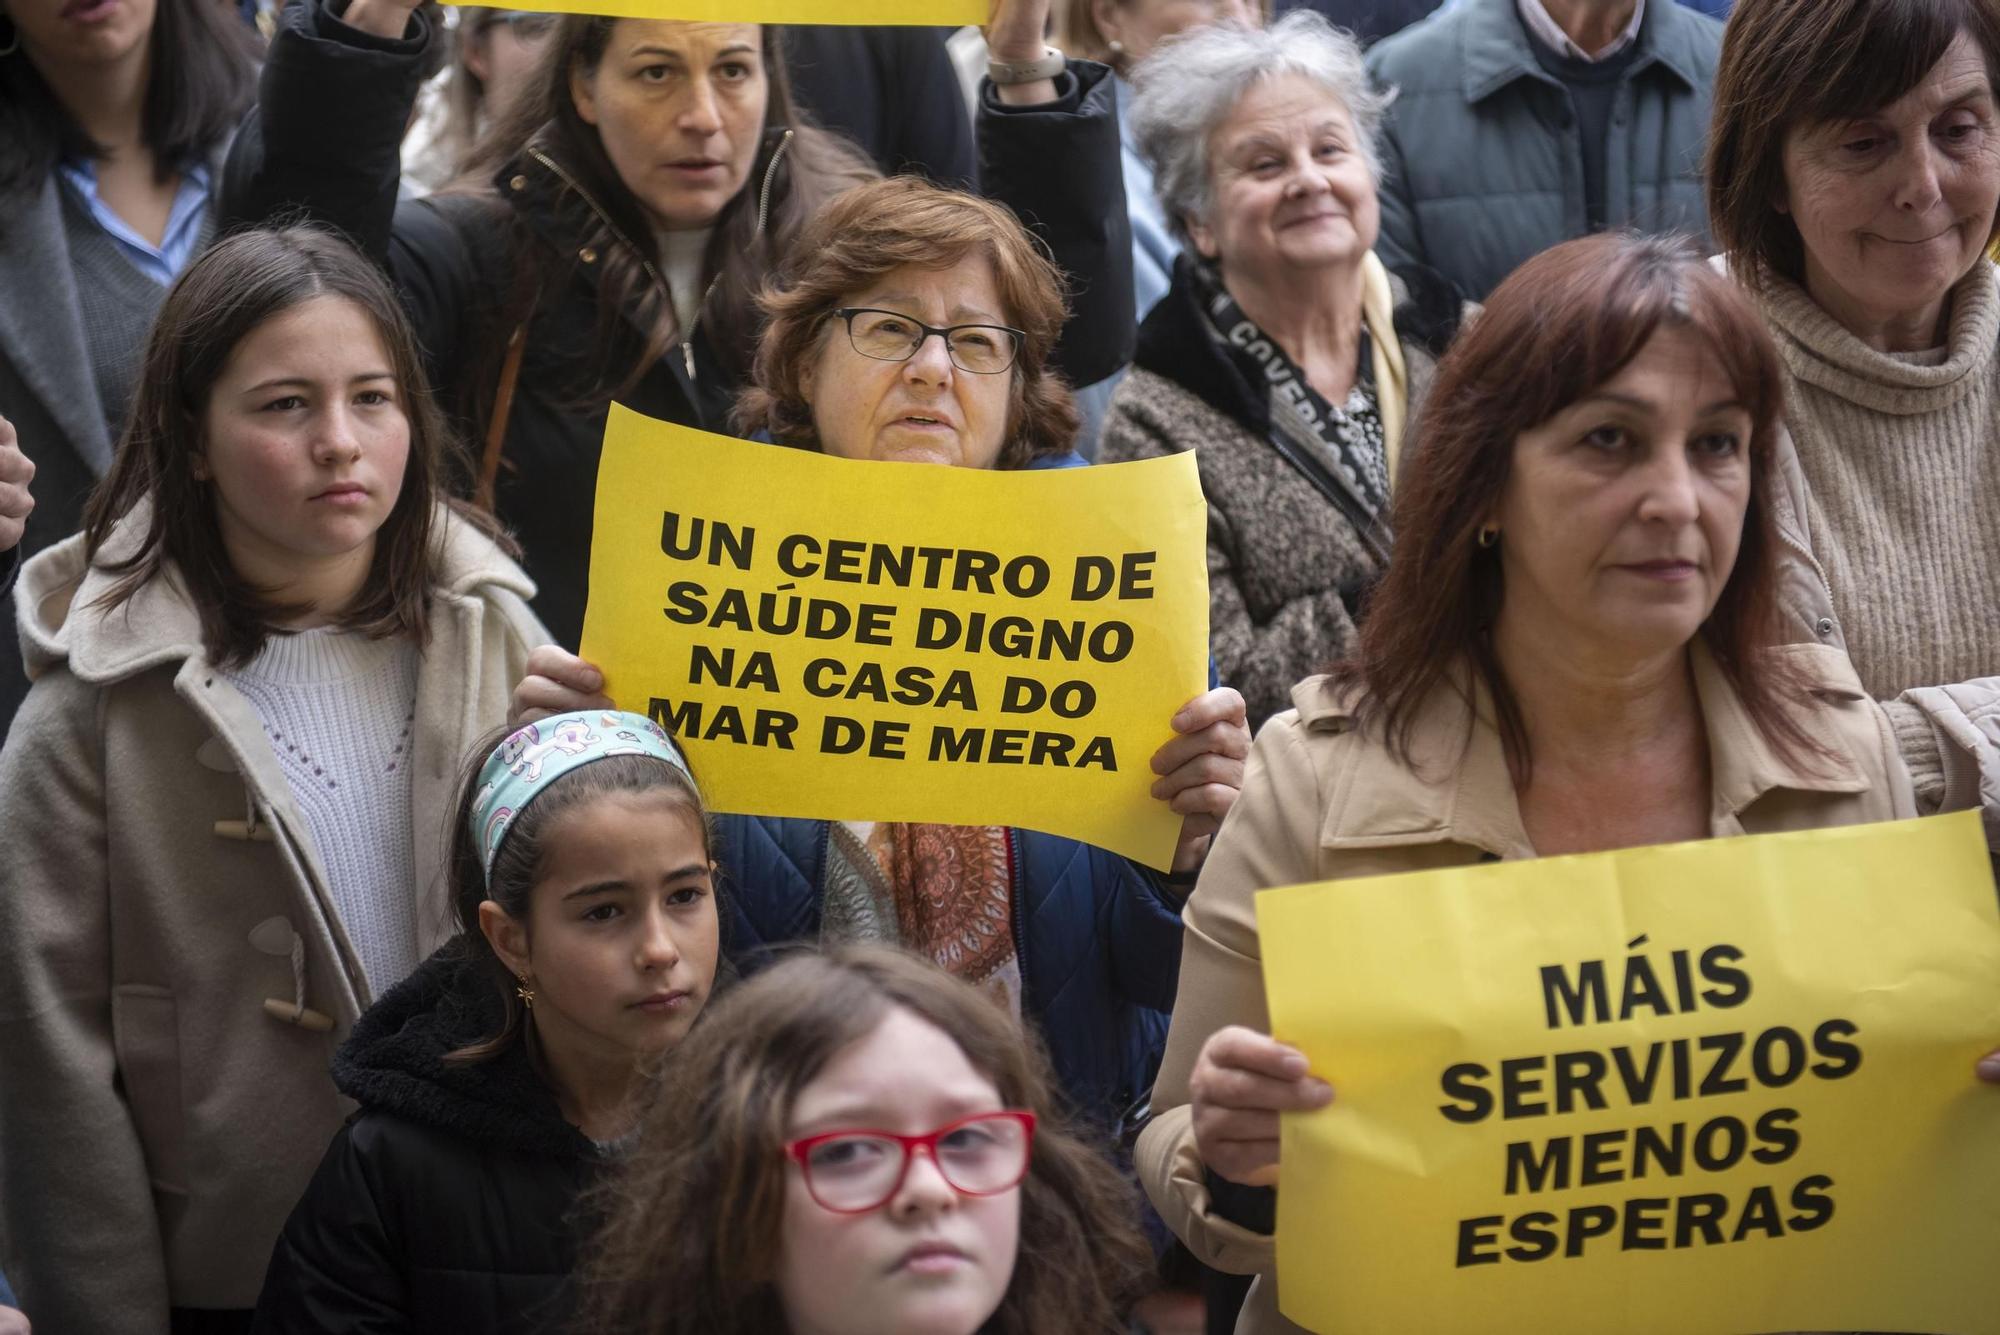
888	13
1720	1087
857	640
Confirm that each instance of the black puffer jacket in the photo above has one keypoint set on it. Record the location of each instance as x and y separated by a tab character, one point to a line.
325	141
447	1202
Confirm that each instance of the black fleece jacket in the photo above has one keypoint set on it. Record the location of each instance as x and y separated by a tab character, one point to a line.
447	1203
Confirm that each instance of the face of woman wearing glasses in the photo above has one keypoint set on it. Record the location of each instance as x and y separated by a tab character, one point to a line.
929	1261
926	409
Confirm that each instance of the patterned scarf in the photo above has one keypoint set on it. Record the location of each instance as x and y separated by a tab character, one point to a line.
943	891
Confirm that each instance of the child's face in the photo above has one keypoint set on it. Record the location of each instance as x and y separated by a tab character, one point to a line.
305	442
622	926
928	1262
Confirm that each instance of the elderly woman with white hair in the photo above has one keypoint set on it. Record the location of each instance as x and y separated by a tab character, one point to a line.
1285	350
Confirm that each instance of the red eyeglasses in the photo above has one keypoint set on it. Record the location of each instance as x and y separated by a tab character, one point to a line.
853	1172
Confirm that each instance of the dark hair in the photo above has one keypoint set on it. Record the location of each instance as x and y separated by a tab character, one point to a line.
873	230
221	298
1561	325
1790	63
202	75
518	862
690	1243
801	164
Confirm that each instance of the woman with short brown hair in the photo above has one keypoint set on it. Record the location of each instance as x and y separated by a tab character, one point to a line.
914	325
1566	659
1854	182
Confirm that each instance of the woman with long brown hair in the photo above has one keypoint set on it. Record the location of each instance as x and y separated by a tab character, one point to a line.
252	669
1565	656
620	220
859	1144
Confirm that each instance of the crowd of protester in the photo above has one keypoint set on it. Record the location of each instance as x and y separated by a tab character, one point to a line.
1595	403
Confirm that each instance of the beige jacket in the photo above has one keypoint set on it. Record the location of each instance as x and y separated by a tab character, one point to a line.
1322	801
157	1123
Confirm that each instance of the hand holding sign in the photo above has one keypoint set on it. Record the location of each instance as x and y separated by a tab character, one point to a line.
1240	1083
1202	769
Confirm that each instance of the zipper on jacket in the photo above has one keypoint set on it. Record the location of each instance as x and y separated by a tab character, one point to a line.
1824	586
1014	909
763	217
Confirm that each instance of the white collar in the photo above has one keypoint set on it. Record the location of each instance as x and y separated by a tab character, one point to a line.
1550	33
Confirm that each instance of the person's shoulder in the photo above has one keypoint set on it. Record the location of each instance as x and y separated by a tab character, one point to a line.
1692	36
1424	55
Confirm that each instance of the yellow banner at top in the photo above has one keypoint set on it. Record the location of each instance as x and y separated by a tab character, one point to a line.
1704	1089
860	640
875	13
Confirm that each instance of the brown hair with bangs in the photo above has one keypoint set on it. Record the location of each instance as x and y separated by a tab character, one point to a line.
690	1243
1560	326
872	231
1792	63
221	298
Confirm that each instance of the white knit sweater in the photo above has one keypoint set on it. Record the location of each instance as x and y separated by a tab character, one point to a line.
339	709
1902	457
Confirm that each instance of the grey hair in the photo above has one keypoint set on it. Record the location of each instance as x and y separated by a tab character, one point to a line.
1192	82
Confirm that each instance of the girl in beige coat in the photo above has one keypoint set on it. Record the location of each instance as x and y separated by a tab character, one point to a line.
255	672
1564	658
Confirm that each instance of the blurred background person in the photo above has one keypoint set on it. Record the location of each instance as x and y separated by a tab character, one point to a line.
1521	123
113	121
1286	356
1573	652
493	54
1854	178
893	91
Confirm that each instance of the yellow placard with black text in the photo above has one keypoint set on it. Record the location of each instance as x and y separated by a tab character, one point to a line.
1700	1089
864	640
879	13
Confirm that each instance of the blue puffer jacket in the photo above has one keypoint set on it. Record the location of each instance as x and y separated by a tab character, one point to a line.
1098	939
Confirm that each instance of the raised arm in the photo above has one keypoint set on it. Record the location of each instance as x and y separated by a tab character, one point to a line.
1049	151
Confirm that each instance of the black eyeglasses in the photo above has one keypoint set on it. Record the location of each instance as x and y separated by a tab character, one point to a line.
889	336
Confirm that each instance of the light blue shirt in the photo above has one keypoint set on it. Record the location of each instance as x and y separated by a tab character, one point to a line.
161	263
1153	243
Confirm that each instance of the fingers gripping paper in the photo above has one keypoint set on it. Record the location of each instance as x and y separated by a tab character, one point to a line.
948	13
883	641
1712	1087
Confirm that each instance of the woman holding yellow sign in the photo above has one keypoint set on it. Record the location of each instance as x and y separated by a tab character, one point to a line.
1564	658
614	228
916	327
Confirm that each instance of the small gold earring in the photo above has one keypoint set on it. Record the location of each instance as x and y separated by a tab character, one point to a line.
1489	535
526	993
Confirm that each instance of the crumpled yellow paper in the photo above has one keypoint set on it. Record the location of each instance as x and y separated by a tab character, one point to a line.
1713	1087
860	640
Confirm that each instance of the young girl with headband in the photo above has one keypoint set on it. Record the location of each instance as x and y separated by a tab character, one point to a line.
498	1080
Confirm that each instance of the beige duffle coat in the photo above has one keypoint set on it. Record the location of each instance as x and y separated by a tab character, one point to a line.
157	1120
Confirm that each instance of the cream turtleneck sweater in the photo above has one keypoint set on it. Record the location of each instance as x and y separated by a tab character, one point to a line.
1902	457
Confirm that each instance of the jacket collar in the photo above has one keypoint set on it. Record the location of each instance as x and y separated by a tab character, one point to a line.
158	624
1459	790
1495	51
394	1063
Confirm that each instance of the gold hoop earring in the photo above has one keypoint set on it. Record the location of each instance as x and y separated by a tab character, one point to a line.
526	993
1489	535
